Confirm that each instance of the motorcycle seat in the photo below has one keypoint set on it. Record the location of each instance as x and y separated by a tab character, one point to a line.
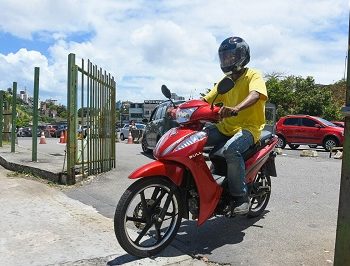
218	159
263	141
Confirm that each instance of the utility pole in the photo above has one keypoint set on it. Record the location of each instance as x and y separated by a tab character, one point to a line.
342	243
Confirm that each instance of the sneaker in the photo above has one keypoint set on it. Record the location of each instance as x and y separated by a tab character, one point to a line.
242	207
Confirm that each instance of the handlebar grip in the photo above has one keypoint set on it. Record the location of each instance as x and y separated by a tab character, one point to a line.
233	113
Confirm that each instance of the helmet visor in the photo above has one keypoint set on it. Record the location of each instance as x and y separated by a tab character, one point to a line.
228	58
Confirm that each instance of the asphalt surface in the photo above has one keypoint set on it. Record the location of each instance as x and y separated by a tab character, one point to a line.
297	228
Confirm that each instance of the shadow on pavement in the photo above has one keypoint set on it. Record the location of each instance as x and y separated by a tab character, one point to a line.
197	241
169	252
213	234
121	260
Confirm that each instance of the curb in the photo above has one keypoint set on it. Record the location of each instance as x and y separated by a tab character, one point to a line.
59	178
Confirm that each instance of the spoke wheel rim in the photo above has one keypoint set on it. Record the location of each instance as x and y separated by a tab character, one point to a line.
279	142
150	232
258	200
330	144
144	145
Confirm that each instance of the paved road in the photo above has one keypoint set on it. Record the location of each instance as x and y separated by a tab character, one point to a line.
298	227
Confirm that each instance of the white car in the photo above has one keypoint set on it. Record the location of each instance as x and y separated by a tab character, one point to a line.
124	131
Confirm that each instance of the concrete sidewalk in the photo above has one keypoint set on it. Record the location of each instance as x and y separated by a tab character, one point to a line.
40	225
49	164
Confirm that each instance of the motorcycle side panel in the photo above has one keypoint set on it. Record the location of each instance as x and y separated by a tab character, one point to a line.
158	168
254	164
191	158
209	191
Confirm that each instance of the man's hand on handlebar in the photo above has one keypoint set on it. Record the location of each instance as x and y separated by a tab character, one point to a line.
228	111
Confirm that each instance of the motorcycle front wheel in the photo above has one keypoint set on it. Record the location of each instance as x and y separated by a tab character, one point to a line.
148	216
259	195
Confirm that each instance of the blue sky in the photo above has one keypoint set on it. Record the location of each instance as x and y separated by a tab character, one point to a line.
145	44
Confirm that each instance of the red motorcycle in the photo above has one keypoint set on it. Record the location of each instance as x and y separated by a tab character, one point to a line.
179	182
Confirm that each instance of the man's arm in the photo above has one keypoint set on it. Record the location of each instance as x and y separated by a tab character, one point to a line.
252	98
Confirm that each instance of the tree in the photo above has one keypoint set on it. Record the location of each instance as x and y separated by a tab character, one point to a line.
297	95
62	111
281	93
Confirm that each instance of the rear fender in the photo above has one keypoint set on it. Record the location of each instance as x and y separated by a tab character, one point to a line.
270	166
169	169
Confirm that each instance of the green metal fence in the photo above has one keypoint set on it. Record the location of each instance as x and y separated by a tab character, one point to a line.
8	118
91	120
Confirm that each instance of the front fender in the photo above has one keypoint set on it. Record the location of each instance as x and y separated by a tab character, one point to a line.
169	169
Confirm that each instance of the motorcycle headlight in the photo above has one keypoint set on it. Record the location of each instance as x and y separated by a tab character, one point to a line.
184	115
191	140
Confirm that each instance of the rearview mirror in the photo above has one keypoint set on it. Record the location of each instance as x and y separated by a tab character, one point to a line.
145	120
225	85
166	92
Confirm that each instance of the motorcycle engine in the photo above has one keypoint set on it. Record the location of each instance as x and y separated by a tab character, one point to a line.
193	204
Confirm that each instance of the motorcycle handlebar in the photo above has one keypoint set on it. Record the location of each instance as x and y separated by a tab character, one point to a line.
233	113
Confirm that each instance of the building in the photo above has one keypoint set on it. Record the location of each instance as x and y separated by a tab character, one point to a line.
175	97
136	112
46	110
148	107
23	96
124	112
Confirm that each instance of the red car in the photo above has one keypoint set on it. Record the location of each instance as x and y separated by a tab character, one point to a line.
338	123
295	130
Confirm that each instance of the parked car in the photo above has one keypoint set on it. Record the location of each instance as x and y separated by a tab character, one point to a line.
158	124
338	123
24	132
124	131
51	129
42	128
295	130
60	128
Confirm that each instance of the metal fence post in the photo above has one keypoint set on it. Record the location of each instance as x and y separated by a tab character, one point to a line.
14	116
1	115
35	115
72	118
342	243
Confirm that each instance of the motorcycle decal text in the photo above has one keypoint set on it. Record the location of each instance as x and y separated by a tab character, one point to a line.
194	155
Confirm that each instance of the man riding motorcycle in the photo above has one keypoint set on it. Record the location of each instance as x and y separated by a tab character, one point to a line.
242	114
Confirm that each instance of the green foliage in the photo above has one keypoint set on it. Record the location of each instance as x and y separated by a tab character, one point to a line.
62	111
23	118
297	95
25	112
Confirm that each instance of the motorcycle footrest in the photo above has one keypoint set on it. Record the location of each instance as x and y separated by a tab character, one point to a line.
264	188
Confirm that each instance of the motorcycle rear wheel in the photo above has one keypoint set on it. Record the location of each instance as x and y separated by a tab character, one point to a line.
148	216
260	195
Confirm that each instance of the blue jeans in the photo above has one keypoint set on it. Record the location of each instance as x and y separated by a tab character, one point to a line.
233	148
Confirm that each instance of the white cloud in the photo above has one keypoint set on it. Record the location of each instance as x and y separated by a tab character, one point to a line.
20	66
146	44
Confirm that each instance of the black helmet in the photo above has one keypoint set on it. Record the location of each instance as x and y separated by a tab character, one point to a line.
234	54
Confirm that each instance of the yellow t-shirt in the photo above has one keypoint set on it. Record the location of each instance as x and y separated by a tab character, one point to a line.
251	118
